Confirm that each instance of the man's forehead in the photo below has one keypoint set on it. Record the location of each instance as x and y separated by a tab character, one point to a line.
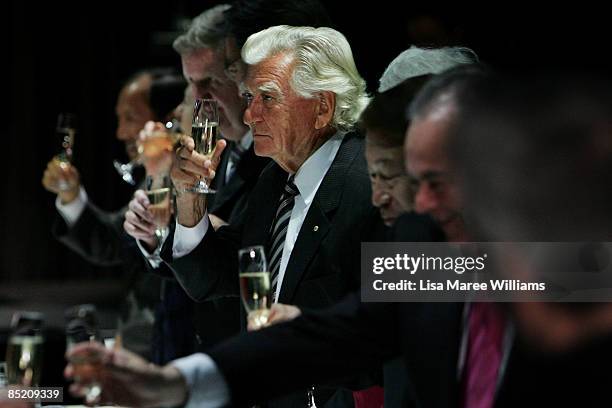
276	68
201	61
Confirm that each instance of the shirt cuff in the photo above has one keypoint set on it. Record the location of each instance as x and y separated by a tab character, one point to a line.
187	238
145	252
206	385
72	211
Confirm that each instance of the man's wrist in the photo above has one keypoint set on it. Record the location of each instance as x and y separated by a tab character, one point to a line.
191	207
66	197
149	244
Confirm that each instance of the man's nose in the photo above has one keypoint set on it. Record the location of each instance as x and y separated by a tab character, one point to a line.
252	113
380	196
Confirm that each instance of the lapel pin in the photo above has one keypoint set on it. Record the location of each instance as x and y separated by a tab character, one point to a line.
316	228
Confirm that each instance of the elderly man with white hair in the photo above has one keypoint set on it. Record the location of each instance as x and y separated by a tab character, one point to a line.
304	97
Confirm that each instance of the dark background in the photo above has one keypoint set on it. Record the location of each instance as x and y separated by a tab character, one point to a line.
74	56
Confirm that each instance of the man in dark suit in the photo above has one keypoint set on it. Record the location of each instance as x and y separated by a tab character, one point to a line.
210	60
316	155
97	235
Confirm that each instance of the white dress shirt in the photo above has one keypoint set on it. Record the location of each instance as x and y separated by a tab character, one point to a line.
72	211
207	387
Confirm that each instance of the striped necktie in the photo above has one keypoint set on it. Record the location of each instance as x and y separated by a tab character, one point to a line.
279	231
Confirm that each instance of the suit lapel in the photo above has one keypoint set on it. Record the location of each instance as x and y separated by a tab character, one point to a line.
319	219
219	180
247	171
269	190
233	185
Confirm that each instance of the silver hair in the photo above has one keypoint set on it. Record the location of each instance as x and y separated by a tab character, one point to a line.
416	61
323	62
205	31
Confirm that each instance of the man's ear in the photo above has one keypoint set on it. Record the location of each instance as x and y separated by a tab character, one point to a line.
325	108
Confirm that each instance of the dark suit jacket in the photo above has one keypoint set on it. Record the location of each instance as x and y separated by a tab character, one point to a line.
218	319
232	196
324	264
99	238
353	336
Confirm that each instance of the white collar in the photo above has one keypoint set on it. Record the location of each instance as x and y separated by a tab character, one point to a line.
247	140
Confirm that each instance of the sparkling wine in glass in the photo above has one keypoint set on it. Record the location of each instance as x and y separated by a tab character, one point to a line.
65	131
255	283
159	193
205	132
24	349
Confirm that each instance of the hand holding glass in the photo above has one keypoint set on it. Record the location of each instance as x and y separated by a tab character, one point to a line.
81	326
149	147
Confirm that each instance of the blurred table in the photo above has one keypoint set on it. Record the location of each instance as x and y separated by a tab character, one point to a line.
52	298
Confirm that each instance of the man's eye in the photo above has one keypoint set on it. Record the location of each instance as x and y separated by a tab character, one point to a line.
248	96
267	98
387	177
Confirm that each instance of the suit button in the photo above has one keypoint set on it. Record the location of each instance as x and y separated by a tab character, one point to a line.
316	228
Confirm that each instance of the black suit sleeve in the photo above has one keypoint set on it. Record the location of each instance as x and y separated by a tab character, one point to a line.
210	271
97	236
319	346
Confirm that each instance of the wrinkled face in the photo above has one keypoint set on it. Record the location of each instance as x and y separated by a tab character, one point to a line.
133	111
283	123
204	70
391	192
428	166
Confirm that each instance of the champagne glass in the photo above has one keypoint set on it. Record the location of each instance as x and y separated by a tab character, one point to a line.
204	131
255	283
159	193
150	146
81	326
24	349
65	130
